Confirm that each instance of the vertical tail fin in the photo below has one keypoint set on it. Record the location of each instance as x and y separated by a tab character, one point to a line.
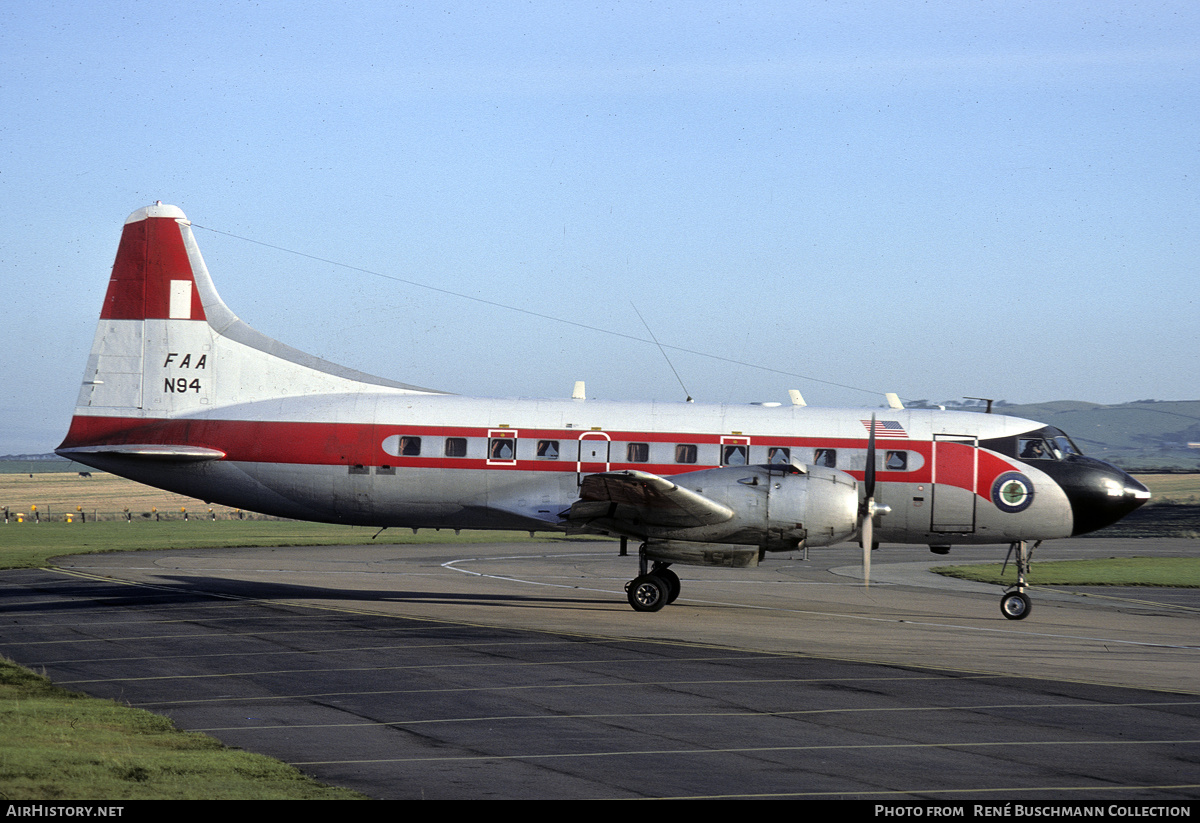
152	277
168	347
153	299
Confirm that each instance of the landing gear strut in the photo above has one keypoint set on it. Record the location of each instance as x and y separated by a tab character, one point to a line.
654	587
1015	603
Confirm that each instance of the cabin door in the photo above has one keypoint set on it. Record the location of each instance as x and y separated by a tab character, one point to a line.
955	472
593	454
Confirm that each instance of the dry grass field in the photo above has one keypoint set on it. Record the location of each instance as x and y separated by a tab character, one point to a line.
1173	488
101	496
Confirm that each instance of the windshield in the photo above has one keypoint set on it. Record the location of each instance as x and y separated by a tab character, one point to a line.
1046	444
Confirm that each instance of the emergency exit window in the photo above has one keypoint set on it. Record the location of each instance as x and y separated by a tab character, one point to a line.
502	448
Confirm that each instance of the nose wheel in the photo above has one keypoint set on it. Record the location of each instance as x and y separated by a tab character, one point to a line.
1015	604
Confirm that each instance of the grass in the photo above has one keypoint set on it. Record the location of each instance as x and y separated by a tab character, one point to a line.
1182	572
58	745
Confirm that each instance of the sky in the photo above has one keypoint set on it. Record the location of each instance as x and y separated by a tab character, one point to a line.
938	199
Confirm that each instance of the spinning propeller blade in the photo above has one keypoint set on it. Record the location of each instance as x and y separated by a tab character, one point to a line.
866	509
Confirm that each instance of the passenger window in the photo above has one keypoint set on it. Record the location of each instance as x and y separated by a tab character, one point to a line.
896	461
685	453
637	453
733	455
779	454
826	458
502	448
410	446
456	447
547	450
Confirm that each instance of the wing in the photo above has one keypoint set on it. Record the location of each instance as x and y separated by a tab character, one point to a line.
641	498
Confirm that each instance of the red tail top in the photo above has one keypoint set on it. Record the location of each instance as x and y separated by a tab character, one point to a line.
152	276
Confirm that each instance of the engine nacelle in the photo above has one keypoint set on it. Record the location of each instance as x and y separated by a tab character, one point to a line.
775	507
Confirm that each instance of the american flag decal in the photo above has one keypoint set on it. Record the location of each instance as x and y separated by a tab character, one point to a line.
886	428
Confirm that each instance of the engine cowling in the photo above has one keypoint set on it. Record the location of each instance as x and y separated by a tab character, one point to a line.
775	508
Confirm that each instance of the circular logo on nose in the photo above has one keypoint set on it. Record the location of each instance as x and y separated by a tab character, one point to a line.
1012	492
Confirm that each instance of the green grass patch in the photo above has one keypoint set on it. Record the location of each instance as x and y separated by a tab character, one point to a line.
30	545
1183	572
58	745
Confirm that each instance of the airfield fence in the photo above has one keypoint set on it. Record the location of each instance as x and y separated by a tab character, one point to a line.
38	514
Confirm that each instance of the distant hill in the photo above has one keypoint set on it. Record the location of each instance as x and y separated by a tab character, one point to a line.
1146	434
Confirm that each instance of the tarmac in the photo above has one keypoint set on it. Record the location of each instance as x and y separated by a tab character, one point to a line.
520	671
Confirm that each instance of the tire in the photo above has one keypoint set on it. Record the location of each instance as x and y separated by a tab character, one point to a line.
1015	605
672	581
647	593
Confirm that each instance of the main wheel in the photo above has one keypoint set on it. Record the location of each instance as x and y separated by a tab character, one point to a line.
673	585
1015	605
647	593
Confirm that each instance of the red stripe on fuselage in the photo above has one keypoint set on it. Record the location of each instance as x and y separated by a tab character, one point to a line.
257	441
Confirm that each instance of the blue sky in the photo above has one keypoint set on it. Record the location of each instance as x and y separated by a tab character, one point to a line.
939	199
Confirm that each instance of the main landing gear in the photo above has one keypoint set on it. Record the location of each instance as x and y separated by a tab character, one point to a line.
653	588
1015	603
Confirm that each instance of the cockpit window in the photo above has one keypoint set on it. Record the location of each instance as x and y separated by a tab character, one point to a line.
1051	447
1064	447
1033	448
1046	443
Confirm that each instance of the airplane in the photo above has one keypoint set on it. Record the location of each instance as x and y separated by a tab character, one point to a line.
180	394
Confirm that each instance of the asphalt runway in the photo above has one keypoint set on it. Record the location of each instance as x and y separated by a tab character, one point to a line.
519	671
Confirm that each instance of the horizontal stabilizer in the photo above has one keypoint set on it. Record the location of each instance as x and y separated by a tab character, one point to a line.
186	454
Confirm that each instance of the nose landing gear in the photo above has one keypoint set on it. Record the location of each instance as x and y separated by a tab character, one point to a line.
1015	604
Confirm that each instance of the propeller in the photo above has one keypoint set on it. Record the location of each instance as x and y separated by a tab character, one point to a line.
867	508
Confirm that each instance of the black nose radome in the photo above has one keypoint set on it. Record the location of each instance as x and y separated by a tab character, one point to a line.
1100	493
